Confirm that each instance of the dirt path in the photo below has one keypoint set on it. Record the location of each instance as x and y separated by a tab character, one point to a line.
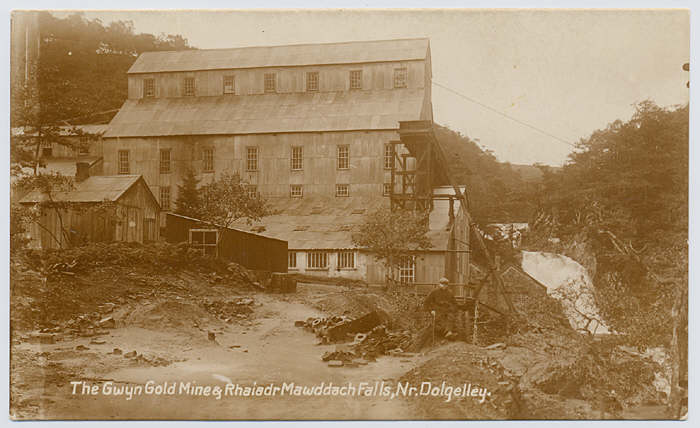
271	350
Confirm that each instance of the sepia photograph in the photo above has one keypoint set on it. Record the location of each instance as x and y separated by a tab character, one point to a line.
348	214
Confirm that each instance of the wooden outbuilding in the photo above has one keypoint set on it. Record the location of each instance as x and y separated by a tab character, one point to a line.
98	209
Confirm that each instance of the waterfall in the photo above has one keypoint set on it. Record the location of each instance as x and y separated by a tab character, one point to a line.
568	282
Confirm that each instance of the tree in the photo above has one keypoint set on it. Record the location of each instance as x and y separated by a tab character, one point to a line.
227	199
189	200
392	236
623	197
50	187
80	75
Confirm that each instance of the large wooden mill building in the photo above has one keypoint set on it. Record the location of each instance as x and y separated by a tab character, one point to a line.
312	128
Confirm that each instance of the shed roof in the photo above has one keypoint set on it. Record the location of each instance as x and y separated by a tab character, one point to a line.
267	113
93	189
281	56
319	223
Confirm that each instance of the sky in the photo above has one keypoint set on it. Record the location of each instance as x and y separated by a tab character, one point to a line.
566	73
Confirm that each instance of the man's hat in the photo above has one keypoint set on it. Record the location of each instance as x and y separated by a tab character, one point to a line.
444	280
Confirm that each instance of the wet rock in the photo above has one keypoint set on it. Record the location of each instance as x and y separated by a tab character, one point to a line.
299	323
131	354
81	348
97	342
211	336
117	351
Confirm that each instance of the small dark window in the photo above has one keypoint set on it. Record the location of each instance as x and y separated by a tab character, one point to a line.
208	160
270	82
356	79
165	198
312	81
229	87
165	161
123	162
189	86
400	78
149	88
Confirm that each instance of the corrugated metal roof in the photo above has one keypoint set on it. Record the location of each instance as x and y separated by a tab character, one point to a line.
65	130
333	228
93	189
281	56
270	113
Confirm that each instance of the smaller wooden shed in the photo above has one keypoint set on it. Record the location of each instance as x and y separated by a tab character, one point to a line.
253	251
98	209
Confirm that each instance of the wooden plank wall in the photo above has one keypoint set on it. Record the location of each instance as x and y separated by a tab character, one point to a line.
366	174
289	79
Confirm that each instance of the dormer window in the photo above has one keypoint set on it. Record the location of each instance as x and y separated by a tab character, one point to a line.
312	81
228	85
270	82
188	87
149	88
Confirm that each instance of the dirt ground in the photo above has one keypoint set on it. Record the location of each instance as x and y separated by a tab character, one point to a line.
213	329
266	349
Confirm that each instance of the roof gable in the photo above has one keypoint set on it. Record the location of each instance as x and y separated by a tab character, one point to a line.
94	189
281	56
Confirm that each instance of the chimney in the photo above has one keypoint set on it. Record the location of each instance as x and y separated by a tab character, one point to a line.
82	171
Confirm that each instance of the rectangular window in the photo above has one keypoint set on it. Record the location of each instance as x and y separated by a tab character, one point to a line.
251	158
343	157
346	260
149	88
312	81
387	189
292	260
342	190
356	79
123	162
208	160
297	158
165	198
296	191
165	161
270	82
388	156
407	269
84	146
400	78
252	190
228	85
317	260
188	87
204	240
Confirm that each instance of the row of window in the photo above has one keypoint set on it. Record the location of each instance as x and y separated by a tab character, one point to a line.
319	260
296	159
346	260
270	83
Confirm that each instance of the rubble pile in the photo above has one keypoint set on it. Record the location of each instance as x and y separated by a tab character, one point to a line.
368	334
380	341
235	309
66	288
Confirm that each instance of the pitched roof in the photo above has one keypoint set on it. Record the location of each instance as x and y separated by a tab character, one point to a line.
93	189
321	223
280	56
65	131
267	113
